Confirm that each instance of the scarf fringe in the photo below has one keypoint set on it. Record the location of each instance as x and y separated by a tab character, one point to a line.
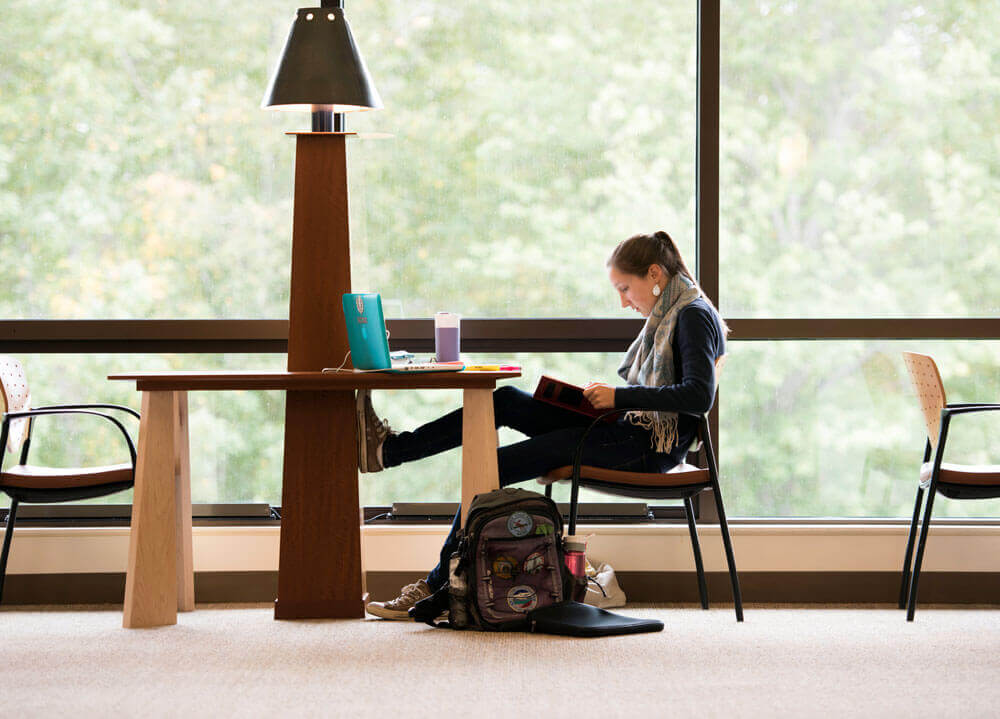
662	425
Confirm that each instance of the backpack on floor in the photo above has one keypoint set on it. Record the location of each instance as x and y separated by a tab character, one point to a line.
509	562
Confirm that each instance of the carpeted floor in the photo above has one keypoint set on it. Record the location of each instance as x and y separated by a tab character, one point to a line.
237	661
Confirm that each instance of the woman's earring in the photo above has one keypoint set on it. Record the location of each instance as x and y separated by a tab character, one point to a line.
656	290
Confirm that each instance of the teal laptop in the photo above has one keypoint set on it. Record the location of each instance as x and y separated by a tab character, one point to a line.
366	330
370	342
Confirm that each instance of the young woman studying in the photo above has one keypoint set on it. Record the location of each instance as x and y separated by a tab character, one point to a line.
669	368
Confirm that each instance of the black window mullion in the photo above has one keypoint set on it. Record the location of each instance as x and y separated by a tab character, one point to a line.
707	187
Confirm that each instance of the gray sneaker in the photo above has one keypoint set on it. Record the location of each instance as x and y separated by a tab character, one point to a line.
398	608
372	432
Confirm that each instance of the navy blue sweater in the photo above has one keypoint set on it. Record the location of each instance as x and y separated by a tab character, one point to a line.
698	341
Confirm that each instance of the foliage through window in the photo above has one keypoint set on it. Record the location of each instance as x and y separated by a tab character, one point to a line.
140	179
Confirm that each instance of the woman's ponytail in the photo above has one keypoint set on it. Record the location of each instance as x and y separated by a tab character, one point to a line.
635	255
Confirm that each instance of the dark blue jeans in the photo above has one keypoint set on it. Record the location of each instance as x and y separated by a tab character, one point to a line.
553	434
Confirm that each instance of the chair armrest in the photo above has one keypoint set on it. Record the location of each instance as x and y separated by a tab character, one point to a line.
947	412
123	408
8	416
578	454
698	415
952	409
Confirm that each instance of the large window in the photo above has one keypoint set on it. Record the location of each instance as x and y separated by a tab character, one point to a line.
527	141
236	437
859	168
141	178
833	428
858	179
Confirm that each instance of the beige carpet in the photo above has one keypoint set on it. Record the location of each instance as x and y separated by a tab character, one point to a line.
237	661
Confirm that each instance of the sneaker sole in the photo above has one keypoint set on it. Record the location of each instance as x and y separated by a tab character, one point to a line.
359	412
378	610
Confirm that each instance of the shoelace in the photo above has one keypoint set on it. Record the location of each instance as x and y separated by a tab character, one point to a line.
380	426
592	579
411	592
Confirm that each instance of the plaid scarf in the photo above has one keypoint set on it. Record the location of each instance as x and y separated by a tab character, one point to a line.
649	360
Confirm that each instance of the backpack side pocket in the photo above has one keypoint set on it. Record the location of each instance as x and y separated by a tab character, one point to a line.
458	593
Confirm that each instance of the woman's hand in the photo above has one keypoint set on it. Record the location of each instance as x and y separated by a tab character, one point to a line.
600	395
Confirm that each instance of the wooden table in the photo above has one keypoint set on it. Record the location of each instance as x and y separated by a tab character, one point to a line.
319	569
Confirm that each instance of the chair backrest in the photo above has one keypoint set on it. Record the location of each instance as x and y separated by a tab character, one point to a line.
16	398
720	362
927	384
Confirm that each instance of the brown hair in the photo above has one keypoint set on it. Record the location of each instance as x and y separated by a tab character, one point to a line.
635	255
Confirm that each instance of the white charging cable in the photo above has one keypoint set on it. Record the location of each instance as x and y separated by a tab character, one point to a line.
341	368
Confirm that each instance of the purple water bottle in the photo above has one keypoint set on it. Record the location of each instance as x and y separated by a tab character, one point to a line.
446	341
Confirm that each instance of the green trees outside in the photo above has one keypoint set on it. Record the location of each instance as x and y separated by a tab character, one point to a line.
139	178
859	178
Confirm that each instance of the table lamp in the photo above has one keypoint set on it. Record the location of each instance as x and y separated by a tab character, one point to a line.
320	71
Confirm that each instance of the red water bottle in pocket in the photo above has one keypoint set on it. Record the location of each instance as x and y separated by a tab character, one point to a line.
575	550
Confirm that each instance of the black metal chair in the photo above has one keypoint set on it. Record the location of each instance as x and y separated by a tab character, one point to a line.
682	482
34	484
955	481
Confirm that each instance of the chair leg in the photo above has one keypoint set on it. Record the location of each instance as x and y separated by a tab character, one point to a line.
904	585
8	535
713	472
730	559
699	567
573	497
912	603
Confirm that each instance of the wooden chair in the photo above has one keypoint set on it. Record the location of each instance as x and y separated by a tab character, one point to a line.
34	484
682	482
956	481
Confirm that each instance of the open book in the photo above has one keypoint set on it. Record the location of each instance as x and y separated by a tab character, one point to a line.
566	395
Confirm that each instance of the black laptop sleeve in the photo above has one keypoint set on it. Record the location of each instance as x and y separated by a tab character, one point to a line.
582	620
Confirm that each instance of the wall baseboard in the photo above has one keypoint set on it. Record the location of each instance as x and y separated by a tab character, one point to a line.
639	586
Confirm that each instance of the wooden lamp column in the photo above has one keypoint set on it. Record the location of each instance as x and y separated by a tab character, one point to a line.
315	581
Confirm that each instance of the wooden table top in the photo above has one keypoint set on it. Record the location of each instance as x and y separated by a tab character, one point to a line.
310	381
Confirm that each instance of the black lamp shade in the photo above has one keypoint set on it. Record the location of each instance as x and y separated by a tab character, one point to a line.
321	68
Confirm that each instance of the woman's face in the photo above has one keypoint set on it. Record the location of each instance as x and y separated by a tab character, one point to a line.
636	291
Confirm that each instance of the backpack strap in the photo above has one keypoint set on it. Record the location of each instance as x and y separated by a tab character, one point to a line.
428	609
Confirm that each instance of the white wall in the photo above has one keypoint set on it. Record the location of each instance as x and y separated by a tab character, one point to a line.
758	547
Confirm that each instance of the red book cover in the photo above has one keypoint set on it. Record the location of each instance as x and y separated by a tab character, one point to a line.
565	395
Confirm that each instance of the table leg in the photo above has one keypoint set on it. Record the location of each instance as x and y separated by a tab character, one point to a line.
319	563
182	491
151	578
479	446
